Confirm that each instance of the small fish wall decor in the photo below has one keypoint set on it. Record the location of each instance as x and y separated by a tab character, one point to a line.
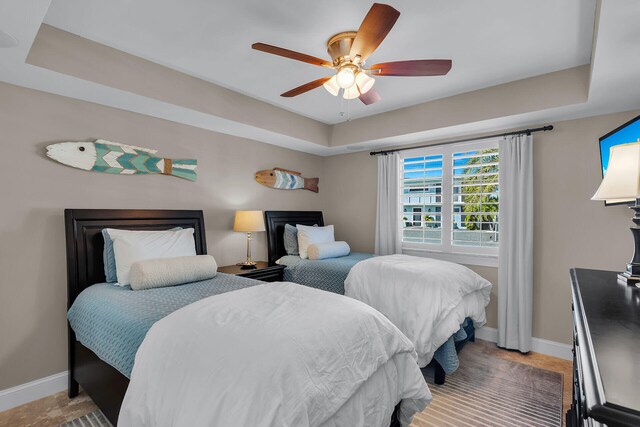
112	157
283	179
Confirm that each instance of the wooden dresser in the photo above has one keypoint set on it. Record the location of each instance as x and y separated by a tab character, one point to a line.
606	351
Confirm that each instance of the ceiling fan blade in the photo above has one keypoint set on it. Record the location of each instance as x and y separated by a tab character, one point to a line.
425	67
305	87
370	97
291	54
373	30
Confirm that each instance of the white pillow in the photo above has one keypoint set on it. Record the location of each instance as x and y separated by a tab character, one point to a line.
328	250
158	273
134	246
312	235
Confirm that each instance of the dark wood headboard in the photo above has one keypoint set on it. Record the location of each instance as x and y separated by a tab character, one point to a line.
83	229
275	222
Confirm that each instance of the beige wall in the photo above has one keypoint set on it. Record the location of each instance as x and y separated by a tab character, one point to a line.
34	190
570	230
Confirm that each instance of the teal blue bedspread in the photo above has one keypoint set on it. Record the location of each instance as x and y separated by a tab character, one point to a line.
326	274
112	321
446	355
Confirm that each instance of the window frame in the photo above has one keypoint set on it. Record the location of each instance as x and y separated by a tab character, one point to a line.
447	251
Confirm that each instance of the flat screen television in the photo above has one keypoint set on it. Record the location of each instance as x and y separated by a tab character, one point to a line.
628	132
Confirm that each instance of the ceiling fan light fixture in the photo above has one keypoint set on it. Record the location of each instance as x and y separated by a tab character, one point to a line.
364	82
351	92
345	77
350	50
331	86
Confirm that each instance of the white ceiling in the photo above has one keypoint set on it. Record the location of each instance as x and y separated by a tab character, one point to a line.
490	42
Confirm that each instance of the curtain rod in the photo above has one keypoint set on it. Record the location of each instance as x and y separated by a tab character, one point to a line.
477	138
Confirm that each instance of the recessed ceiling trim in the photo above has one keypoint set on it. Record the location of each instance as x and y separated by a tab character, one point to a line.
7	40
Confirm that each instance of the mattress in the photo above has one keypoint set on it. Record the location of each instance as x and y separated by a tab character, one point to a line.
112	320
326	274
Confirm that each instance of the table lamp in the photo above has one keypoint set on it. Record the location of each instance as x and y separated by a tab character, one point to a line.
248	222
622	183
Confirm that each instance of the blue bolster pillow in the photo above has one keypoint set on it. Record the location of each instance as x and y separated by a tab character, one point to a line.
328	250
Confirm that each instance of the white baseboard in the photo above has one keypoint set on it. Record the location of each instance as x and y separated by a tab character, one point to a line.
34	390
539	345
487	334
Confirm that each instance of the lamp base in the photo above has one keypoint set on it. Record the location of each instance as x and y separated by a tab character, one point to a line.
247	265
631	276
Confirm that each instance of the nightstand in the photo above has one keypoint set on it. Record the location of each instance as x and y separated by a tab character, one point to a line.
262	272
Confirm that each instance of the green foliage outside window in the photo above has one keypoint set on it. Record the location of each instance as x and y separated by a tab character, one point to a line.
479	192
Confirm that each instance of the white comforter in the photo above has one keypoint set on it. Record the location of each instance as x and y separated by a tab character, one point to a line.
426	299
278	354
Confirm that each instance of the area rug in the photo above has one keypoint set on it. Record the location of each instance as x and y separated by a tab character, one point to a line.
489	391
92	419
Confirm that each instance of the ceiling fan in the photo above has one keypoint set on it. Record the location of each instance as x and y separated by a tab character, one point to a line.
349	50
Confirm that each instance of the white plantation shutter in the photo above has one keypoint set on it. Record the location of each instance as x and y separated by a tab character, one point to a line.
421	192
475	198
449	198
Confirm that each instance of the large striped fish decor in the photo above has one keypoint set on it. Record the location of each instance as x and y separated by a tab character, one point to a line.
112	157
284	179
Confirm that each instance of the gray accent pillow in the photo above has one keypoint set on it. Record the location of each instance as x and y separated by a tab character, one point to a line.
109	257
291	239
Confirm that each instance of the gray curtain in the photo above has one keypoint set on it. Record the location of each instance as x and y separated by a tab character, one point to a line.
515	275
388	206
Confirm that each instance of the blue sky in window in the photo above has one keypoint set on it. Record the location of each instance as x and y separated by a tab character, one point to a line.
624	136
418	164
427	162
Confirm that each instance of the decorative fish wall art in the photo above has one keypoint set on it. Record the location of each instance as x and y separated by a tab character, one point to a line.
115	158
284	179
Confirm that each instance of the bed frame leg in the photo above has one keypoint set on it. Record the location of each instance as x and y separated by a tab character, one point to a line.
73	387
71	355
394	417
439	374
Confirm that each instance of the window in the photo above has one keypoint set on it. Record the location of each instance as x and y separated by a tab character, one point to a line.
450	199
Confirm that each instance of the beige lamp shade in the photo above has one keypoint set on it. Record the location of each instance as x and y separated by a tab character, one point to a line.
248	221
622	180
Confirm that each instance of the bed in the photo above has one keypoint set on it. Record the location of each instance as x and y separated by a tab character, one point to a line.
84	246
102	363
330	274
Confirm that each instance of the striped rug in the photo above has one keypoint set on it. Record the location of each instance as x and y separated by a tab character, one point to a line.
93	419
489	391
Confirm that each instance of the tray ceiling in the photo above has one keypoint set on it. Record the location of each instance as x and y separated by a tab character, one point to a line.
490	42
